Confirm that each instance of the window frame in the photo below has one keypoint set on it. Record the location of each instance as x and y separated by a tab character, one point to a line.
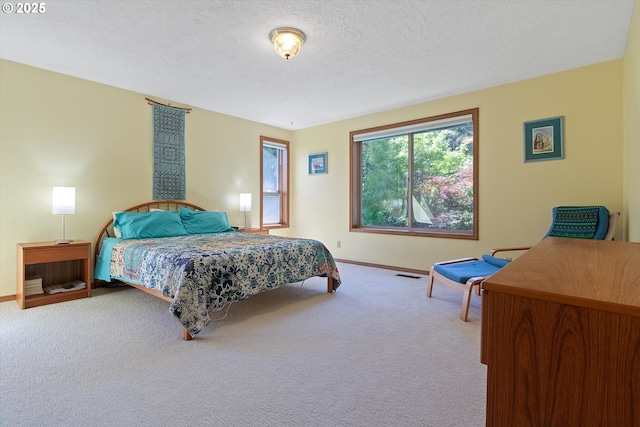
283	175
355	184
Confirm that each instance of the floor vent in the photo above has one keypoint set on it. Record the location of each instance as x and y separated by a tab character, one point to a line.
409	276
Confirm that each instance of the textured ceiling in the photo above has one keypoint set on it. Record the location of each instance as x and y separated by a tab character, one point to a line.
360	57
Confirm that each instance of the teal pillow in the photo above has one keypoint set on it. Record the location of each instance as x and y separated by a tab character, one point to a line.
204	222
136	225
498	262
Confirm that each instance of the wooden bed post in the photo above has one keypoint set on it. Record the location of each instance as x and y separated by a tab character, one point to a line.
186	336
330	284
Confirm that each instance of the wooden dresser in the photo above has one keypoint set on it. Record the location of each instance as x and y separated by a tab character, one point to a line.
561	336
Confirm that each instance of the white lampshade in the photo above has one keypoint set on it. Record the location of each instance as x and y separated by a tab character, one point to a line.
64	200
245	202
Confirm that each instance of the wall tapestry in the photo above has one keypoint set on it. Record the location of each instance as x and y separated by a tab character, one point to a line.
168	153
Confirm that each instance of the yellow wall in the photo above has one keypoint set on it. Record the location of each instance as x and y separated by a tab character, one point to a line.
515	197
60	130
631	102
57	130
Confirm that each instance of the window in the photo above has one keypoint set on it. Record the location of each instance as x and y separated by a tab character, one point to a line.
274	177
418	177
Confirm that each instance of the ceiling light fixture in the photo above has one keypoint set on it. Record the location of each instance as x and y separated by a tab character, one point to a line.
287	41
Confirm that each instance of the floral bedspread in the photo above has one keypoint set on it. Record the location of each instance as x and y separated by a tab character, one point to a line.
204	272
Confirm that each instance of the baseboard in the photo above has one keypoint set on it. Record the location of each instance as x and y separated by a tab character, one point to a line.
386	267
7	298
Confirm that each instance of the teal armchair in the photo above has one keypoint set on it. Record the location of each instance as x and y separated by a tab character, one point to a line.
466	274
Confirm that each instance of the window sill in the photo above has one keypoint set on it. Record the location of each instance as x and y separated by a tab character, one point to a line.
426	233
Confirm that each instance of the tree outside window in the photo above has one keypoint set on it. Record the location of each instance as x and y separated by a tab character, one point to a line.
417	177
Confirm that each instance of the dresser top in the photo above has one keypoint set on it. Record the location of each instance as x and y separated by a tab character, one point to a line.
597	274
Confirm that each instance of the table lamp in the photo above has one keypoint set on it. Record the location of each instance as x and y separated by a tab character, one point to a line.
63	203
245	205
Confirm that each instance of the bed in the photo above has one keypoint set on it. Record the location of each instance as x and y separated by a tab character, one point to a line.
192	258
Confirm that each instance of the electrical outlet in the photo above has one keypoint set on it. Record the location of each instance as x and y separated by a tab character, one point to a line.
339	244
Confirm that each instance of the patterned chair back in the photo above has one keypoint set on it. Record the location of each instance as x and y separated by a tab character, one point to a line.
580	222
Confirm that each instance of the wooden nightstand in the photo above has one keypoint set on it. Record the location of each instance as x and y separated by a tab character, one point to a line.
55	264
254	230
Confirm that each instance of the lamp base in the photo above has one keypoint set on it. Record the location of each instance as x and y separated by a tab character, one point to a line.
62	242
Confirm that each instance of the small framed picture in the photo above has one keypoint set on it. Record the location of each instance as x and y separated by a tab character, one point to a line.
543	140
317	163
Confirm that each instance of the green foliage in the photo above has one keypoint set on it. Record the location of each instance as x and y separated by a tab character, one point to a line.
442	179
270	168
384	181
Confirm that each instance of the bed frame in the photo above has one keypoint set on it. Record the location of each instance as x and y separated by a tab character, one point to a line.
167	205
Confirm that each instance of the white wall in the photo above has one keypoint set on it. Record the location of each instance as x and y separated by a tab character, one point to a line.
57	130
60	130
631	100
515	197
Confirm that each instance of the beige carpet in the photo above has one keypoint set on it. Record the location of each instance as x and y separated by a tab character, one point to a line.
376	353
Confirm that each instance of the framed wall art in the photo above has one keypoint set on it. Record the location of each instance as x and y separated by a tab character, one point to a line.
543	139
317	163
